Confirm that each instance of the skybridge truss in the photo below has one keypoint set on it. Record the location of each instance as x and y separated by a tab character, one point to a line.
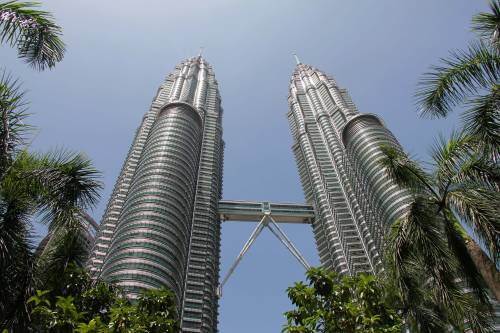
268	215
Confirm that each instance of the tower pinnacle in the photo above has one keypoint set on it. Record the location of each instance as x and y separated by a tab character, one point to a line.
297	60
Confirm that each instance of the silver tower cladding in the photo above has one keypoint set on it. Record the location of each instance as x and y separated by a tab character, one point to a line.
161	226
337	150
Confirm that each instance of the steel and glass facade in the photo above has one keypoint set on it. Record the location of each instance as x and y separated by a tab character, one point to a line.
162	223
337	150
161	226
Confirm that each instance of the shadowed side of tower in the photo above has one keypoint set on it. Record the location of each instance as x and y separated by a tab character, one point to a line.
161	226
337	150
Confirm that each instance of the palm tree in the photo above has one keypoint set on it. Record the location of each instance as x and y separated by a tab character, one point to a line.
58	187
32	32
13	112
428	252
470	78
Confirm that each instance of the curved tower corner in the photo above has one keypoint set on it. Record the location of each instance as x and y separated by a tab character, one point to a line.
161	227
337	150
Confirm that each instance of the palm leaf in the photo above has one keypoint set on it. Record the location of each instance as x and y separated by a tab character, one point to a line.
16	260
478	170
403	170
448	154
33	32
478	208
487	25
69	183
64	247
482	120
12	113
417	241
462	74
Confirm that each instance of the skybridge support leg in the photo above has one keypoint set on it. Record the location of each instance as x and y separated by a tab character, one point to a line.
280	234
246	247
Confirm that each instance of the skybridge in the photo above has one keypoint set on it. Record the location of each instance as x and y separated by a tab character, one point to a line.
268	215
252	211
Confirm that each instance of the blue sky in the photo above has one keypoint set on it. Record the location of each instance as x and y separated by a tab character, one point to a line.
120	51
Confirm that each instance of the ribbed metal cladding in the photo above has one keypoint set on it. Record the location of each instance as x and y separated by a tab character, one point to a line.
150	245
161	226
350	212
363	137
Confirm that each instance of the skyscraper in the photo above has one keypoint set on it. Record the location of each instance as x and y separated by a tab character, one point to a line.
337	150
161	226
162	223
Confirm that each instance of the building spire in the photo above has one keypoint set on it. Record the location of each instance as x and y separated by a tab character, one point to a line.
297	60
201	51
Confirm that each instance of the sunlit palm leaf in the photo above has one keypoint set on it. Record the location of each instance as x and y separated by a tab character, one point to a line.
487	25
479	209
482	120
403	170
33	32
448	154
70	184
480	171
463	73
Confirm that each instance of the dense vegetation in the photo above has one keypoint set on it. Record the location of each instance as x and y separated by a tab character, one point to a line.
348	304
84	306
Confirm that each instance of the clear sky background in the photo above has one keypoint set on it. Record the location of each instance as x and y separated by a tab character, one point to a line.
120	51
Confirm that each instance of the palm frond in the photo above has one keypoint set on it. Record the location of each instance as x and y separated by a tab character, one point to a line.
33	32
424	268
478	208
463	73
417	239
448	154
478	170
482	120
15	211
64	247
16	259
403	170
487	25
70	184
13	113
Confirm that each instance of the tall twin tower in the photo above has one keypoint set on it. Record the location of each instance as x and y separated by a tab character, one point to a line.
162	224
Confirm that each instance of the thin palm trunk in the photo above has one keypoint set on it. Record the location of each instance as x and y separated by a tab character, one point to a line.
486	267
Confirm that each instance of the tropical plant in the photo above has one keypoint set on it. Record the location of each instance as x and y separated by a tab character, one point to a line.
332	304
428	253
33	32
89	306
58	187
470	78
55	188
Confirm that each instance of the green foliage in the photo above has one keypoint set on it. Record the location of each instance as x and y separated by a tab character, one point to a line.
332	304
487	25
426	257
12	112
33	32
462	78
99	307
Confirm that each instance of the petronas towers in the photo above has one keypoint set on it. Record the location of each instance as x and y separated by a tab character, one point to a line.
162	223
